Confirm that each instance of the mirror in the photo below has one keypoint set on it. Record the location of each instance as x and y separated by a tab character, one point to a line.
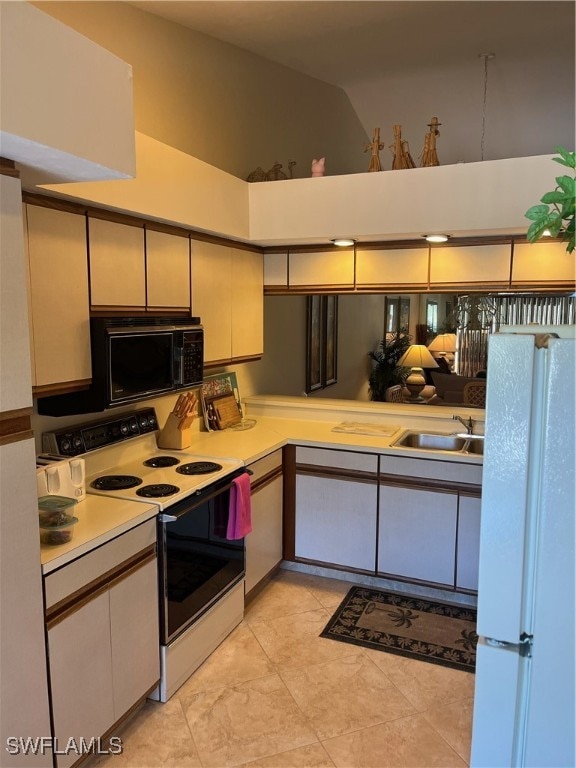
362	323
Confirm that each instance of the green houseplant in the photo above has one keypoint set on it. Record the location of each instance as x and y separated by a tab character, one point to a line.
555	212
385	371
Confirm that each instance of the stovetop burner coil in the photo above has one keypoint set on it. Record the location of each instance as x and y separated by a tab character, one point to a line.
115	482
158	490
161	461
199	468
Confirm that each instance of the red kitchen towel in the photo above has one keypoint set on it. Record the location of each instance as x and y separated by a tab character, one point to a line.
240	510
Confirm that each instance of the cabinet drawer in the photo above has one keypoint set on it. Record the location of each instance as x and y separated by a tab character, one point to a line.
452	472
70	578
362	462
265	466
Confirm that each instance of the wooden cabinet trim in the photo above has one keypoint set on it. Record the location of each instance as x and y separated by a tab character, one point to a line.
405	481
72	603
266	480
336	473
15	426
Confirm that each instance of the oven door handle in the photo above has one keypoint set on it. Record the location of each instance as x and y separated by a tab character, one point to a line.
167	518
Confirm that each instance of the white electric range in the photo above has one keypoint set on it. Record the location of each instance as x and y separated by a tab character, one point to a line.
201	572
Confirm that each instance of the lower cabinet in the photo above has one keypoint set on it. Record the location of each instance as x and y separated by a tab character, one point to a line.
411	520
336	521
264	543
336	507
103	644
417	534
468	545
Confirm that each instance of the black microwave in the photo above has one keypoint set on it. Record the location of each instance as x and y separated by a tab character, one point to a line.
134	359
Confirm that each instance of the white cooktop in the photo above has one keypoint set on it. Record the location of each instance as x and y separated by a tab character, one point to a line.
129	460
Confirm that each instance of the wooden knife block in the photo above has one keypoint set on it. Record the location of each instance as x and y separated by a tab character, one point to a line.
172	437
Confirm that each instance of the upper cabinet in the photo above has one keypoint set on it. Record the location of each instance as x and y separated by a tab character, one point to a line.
546	264
395	268
117	266
276	269
247	304
211	297
59	305
477	266
134	268
227	295
328	269
167	270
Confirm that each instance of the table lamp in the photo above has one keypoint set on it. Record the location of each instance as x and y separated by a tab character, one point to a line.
444	345
416	357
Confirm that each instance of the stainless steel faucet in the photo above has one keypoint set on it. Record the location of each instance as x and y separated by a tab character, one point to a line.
468	424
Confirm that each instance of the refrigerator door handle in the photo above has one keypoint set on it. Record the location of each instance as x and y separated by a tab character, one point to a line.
523	648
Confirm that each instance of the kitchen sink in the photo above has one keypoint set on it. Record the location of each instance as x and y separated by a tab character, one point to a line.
430	441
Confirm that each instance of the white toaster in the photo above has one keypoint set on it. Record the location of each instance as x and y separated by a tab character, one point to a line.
58	476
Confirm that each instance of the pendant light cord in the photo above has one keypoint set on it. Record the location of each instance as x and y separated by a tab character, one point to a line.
486	57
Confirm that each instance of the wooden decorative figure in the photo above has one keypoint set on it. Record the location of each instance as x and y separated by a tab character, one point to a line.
400	151
274	174
407	156
375	147
429	157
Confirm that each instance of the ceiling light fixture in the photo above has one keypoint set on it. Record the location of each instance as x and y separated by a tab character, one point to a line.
343	242
436	238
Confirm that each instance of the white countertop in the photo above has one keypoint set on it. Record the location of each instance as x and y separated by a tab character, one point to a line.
100	519
279	421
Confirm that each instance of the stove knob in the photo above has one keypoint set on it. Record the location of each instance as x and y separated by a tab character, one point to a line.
77	442
152	422
65	445
124	428
143	422
134	427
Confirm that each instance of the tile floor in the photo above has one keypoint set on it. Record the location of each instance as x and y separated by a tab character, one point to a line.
275	695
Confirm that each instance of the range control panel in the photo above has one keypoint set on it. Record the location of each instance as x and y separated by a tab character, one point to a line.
72	441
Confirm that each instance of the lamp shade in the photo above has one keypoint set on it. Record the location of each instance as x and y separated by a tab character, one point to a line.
417	356
444	342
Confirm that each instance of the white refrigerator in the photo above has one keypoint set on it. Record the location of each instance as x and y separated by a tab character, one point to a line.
524	713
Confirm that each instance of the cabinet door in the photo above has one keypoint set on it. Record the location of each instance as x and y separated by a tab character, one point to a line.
398	268
167	270
468	550
276	269
211	297
336	521
247	304
264	543
135	636
417	534
322	268
59	303
117	273
543	264
478	265
81	674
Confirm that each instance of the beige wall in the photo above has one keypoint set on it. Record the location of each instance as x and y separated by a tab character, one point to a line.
219	103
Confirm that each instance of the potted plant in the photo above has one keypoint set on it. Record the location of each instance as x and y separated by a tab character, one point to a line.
385	371
554	216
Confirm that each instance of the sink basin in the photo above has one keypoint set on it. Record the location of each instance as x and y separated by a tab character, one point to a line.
432	442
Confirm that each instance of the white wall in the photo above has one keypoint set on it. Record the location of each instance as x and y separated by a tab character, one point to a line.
529	107
216	102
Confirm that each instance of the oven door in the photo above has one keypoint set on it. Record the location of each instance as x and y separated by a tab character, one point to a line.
197	563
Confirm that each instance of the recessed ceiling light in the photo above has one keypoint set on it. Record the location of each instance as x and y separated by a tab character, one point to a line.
436	238
343	242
